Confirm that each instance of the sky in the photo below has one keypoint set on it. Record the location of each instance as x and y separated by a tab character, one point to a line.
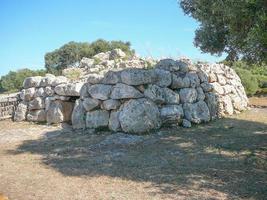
31	28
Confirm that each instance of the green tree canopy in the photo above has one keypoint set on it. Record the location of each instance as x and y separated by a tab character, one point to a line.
238	28
71	53
14	79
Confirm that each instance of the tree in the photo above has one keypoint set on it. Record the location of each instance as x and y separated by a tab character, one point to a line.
13	81
71	53
238	28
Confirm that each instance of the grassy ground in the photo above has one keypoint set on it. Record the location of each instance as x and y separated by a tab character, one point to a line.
224	159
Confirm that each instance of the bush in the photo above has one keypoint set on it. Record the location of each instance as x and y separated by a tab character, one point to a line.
70	54
13	81
248	80
72	73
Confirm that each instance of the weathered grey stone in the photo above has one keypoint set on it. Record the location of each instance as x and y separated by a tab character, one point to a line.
36	104
27	94
170	96
110	104
123	91
90	104
116	54
212	102
111	78
49	91
180	82
171	113
59	111
194	80
100	91
69	89
95	78
139	116
164	78
188	95
203	76
200	94
20	113
155	93
40	92
168	64
87	62
238	103
47	80
59	80
207	87
197	112
36	116
32	82
186	123
84	91
114	123
78	115
183	65
97	119
102	56
138	76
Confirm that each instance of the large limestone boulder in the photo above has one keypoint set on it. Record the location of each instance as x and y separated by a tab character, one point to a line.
180	81
86	62
188	95
123	91
212	102
59	80
32	82
97	119
114	123
36	116
47	80
139	116
102	56
36	104
40	92
100	91
164	78
59	111
27	94
171	114
197	112
228	106
49	91
20	113
194	80
111	77
110	104
171	96
90	104
168	64
69	89
95	78
138	76
155	93
116	54
78	115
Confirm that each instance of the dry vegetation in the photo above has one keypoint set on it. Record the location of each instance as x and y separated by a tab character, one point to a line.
225	159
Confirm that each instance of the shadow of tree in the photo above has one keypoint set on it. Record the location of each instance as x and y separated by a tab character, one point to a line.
226	155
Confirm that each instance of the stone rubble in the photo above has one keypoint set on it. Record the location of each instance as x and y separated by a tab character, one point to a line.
122	94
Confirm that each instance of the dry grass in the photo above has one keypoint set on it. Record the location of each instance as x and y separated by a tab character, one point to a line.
225	159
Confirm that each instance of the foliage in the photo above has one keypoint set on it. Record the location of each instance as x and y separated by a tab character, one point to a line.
248	80
71	53
237	28
14	79
72	73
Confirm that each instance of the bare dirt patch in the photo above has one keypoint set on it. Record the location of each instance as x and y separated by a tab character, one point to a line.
224	159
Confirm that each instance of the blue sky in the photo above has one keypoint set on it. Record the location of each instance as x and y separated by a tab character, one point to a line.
30	28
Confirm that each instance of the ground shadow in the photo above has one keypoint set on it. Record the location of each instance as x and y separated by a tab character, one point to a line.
226	155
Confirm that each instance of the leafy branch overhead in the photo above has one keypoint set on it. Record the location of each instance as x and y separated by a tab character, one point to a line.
237	28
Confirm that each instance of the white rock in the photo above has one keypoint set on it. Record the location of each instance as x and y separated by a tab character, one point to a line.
59	80
20	113
155	93
188	95
78	115
116	54
95	78
36	116
97	119
100	91
69	89
170	96
123	91
32	82
36	104
139	116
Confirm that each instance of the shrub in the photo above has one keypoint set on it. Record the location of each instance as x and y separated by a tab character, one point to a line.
248	80
13	81
72	73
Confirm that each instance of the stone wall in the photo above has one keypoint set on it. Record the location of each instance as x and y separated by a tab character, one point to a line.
134	99
8	105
